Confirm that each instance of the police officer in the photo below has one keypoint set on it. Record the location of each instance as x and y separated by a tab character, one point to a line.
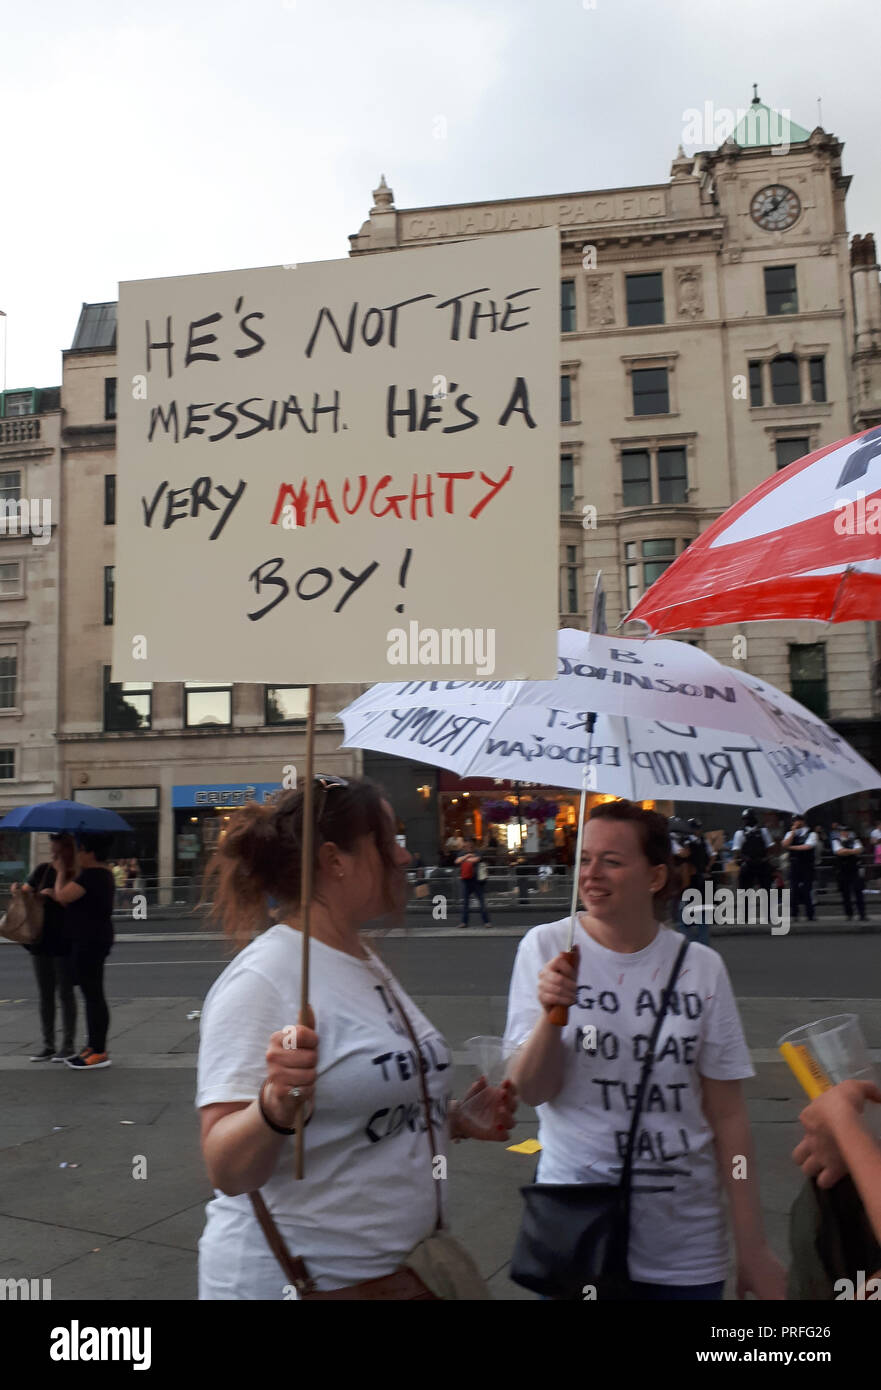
801	842
847	850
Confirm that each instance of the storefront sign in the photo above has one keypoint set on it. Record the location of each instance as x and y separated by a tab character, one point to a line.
119	798
316	459
225	794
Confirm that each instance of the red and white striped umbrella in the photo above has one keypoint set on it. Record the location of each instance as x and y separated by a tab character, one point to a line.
806	543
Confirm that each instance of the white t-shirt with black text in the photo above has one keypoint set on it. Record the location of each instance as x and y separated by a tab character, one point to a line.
368	1194
678	1228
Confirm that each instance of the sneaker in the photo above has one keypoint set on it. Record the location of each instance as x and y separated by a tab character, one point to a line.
63	1055
45	1056
88	1059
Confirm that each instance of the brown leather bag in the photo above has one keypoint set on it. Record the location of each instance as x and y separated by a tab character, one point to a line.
23	919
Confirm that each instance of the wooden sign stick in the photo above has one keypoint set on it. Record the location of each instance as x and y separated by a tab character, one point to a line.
306	1016
559	1014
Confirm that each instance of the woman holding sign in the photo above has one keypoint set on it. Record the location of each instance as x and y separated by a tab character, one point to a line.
692	1136
372	1070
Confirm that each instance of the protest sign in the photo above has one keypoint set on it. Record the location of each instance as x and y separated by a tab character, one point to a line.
341	471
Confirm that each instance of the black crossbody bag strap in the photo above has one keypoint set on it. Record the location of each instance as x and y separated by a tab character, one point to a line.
627	1170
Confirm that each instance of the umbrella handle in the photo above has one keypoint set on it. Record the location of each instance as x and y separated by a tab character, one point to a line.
559	1014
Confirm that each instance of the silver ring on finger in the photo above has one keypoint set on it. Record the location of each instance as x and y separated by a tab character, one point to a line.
295	1093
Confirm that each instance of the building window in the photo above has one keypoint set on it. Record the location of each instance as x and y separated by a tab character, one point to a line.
645	561
672	476
645	299
18	403
569	603
636	477
8	676
817	366
109	589
567	482
109	499
128	705
756	395
781	295
207	703
651	391
788	450
10	487
785	385
565	399
10	579
110	398
807	677
286	704
7	764
567	306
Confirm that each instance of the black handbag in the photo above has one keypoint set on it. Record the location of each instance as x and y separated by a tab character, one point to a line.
576	1234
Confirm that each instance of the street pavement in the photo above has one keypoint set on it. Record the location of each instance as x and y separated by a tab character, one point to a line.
73	1209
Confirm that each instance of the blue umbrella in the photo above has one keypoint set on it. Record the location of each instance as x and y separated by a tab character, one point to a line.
63	815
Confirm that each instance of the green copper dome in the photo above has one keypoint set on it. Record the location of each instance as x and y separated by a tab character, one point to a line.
762	126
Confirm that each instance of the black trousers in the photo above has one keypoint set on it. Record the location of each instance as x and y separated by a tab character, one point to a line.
472	887
851	886
88	970
54	975
755	873
801	888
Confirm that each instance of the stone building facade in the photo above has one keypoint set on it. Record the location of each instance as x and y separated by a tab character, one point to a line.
714	327
30	511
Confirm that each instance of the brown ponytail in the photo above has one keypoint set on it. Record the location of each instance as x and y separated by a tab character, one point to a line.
260	854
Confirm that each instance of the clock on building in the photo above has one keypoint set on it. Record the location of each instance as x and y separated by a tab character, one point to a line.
775	208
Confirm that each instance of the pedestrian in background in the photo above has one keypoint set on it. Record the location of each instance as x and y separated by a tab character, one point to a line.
847	850
119	872
51	956
875	841
137	878
752	845
800	843
87	900
474	873
694	858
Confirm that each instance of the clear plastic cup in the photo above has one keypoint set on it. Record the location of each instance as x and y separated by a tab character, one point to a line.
490	1057
833	1049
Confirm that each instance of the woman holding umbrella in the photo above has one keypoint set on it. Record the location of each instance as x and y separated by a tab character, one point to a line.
693	1137
88	903
369	1072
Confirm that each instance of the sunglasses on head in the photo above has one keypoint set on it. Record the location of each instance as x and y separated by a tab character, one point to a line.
326	783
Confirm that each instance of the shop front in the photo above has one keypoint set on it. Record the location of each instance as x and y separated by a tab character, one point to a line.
139	806
514	819
201	811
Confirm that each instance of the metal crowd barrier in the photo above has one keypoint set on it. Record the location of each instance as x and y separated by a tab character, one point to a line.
546	886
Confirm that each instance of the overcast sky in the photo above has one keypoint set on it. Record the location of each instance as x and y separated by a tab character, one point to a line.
180	136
